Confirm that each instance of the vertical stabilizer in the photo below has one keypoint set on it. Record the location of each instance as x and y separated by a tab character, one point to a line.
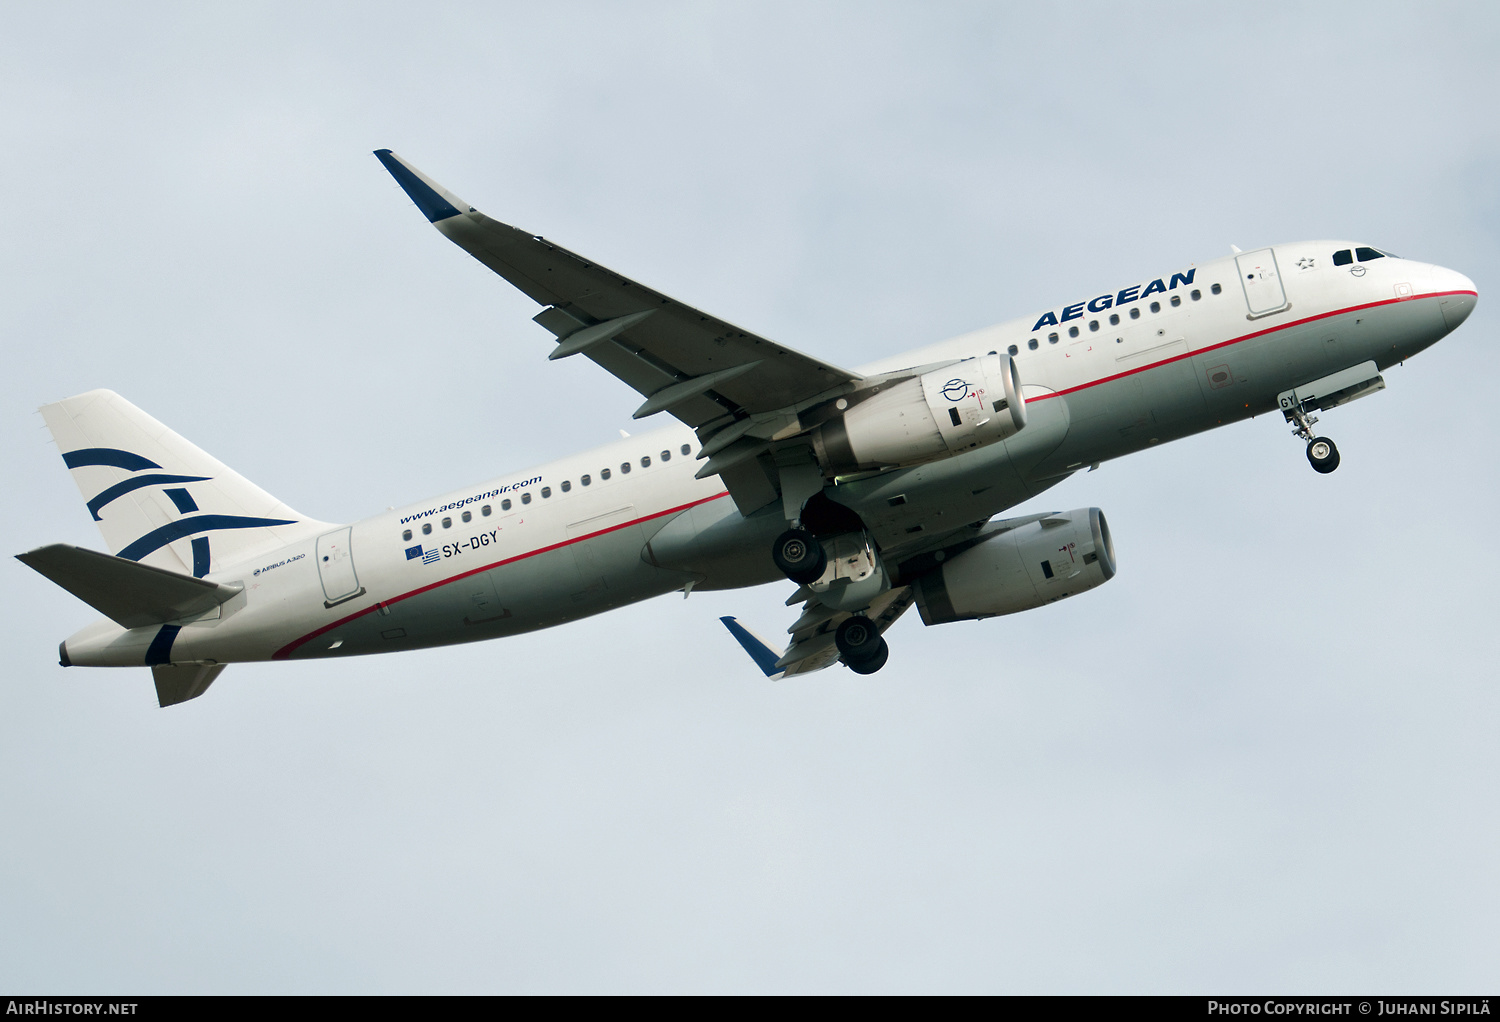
158	499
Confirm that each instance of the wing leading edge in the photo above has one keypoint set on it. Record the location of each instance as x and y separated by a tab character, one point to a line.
652	342
735	388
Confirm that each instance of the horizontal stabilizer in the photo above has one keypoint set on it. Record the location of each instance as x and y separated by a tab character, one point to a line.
177	683
132	595
764	656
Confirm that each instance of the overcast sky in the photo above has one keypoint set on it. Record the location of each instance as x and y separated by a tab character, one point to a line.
1264	757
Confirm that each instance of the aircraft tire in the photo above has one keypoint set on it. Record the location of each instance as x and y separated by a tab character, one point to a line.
857	638
799	556
1322	455
872	663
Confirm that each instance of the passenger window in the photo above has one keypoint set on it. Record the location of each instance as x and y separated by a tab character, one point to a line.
1031	344
567	484
1114	319
1135	313
666	455
1051	338
1366	254
1013	350
1093	324
1216	289
1342	258
447	523
1176	301
546	492
685	448
1072	331
584	479
604	473
1156	306
526	498
485	511
427	528
624	467
468	516
646	461
505	504
1197	294
406	534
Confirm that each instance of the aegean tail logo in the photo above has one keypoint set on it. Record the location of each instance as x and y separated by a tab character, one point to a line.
181	500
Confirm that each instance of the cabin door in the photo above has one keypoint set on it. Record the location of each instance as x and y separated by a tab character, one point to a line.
336	568
1261	281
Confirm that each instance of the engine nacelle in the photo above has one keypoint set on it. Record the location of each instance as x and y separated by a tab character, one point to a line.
1021	568
942	413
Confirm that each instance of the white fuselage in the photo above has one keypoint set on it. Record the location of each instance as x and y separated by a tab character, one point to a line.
627	521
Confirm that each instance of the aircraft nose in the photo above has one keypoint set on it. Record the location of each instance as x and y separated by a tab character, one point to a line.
1459	296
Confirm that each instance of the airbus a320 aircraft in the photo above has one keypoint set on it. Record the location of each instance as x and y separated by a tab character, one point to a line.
870	489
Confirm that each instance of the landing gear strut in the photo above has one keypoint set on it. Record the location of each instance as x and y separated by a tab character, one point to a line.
860	645
1322	455
799	556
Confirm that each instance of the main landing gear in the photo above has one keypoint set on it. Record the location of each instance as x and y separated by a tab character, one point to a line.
1322	454
799	556
804	559
860	645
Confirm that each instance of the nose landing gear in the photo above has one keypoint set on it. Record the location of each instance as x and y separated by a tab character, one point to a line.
1319	396
1322	454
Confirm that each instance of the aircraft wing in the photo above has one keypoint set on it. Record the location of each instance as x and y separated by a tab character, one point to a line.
714	376
812	648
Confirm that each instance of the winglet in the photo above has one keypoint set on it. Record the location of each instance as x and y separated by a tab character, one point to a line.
435	201
764	656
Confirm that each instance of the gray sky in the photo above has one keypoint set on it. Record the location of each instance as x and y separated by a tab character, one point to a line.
1262	758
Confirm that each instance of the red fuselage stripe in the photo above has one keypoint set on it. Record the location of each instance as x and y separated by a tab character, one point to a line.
1248	337
286	651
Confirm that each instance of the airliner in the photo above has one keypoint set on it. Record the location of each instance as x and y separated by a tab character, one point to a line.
865	490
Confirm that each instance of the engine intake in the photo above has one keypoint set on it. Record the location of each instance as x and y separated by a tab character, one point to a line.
936	415
1020	568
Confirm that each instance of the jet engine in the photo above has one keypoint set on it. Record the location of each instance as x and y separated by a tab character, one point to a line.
936	415
1020	568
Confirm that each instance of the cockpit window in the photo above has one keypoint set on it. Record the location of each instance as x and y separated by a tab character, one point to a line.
1366	254
1343	257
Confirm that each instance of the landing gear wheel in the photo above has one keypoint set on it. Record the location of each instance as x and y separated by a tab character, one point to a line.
799	556
857	638
1322	454
872	663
